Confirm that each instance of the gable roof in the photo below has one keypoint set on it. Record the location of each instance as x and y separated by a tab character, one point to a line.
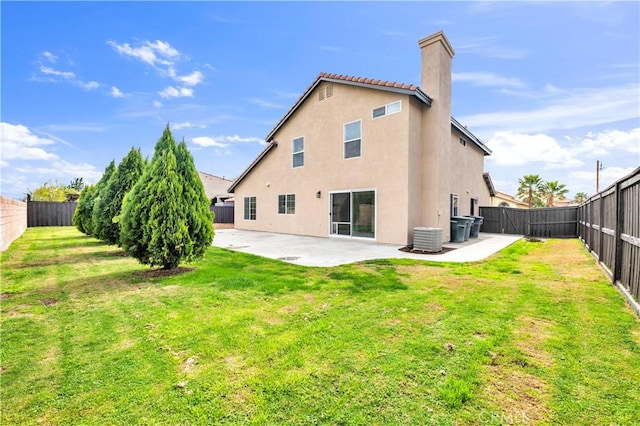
389	86
215	186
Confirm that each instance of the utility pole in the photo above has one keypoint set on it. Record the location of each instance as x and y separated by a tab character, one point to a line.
599	167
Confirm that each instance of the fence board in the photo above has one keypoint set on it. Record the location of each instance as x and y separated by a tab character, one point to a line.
45	213
223	214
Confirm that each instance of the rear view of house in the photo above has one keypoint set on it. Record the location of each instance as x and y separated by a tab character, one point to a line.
364	158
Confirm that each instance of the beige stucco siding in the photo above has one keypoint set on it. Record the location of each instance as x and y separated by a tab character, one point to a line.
382	165
465	173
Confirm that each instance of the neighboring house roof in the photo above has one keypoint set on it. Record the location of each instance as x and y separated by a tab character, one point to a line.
215	186
390	86
489	182
506	197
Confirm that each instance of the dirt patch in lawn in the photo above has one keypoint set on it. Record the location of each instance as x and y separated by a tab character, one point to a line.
530	336
410	249
49	301
516	395
160	272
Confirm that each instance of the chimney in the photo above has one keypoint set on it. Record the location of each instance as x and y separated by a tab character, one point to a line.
436	67
437	54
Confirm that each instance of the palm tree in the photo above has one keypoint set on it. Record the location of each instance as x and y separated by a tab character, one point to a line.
580	197
529	190
552	192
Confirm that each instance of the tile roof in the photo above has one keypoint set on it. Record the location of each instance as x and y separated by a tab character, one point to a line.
371	81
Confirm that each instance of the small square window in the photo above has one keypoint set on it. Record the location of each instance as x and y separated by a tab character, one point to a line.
387	109
378	112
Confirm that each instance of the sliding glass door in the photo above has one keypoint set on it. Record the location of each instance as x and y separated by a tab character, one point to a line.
353	214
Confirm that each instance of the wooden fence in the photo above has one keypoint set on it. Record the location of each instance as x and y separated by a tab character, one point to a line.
223	214
609	226
557	222
45	213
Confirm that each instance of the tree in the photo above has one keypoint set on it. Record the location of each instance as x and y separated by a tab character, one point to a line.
580	197
109	204
77	184
94	199
49	191
166	218
552	192
529	190
82	215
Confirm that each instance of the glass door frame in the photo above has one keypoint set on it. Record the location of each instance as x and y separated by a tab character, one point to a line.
351	213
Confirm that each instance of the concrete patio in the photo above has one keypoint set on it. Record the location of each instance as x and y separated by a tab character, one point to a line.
315	251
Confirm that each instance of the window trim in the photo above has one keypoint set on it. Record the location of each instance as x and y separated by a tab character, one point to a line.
294	153
454	205
255	207
286	206
345	141
386	110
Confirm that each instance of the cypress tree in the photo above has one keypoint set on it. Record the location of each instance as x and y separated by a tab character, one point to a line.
122	180
199	216
98	209
82	215
165	218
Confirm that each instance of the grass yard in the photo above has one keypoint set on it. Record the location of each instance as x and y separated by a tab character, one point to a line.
534	335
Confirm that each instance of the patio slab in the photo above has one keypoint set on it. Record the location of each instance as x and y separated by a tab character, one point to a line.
334	251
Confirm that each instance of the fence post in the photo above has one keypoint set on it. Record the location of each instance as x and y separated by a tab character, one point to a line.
617	256
600	226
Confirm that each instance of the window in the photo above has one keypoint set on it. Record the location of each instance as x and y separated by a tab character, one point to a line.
249	208
454	204
387	109
298	152
352	139
287	204
463	142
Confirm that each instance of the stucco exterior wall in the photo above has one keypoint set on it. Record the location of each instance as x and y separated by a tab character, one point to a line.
13	220
382	165
465	174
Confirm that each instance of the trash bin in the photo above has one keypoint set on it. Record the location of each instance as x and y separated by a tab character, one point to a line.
457	231
466	221
475	226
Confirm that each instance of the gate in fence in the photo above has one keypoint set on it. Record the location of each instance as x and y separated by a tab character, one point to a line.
556	222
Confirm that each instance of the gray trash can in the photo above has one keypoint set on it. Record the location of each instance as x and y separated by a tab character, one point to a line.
466	221
457	231
475	226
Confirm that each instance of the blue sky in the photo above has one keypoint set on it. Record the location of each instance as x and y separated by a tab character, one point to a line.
549	87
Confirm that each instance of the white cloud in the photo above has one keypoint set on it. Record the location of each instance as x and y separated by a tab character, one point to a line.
265	104
603	143
157	104
50	71
50	57
89	85
487	48
96	128
608	175
176	92
153	53
208	141
224	141
575	109
116	93
487	79
516	149
192	79
19	143
187	125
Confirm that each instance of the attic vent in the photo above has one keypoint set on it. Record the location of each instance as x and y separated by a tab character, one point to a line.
329	90
321	93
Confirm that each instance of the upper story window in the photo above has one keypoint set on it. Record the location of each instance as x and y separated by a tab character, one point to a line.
298	152
287	204
387	109
352	139
463	142
249	208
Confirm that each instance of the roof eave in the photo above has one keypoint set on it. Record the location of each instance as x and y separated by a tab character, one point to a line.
470	135
254	163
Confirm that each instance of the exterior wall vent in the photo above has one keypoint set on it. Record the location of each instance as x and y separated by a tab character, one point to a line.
329	90
427	239
321	93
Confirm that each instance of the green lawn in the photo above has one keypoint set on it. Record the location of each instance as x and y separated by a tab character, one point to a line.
534	335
